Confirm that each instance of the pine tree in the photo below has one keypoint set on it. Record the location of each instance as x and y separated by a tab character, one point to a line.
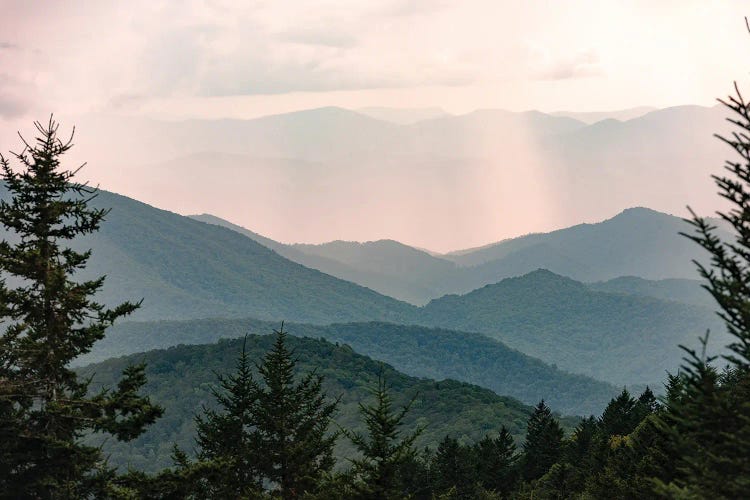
384	452
496	461
228	439
50	320
292	420
543	445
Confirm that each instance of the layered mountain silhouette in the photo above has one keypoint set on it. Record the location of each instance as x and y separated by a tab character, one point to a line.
441	183
417	351
638	242
616	337
187	269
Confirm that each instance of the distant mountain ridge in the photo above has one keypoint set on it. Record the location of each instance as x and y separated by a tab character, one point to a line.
489	172
183	268
637	242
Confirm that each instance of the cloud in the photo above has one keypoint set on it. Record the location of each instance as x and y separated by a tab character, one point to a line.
14	98
406	8
12	108
322	37
582	64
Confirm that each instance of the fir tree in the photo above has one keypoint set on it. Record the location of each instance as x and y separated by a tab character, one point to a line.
620	416
496	460
51	319
292	420
543	445
384	452
228	439
454	470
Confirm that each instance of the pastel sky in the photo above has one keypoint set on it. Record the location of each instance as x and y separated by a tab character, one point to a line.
210	59
223	58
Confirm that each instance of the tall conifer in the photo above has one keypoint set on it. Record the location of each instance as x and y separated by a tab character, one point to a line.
50	319
543	445
292	418
708	415
383	449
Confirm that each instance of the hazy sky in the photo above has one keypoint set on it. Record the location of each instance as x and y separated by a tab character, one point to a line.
230	59
217	58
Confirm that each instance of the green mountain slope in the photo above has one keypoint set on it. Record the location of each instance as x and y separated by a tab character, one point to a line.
187	269
180	378
414	350
619	338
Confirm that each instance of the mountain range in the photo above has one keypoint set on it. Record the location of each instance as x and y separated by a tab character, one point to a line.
186	269
316	175
637	242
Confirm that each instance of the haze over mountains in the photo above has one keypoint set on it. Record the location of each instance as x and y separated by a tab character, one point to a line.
637	242
588	299
316	175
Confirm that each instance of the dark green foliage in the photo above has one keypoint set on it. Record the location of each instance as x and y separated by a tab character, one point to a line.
620	416
414	350
181	378
228	440
292	419
613	456
383	451
495	460
50	319
707	421
454	470
543	445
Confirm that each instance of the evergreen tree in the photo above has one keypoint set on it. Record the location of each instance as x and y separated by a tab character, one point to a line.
454	470
579	453
50	320
709	422
496	462
292	420
620	417
229	440
384	452
543	445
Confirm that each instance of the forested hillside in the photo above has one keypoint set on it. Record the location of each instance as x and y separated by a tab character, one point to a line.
413	350
179	378
183	268
622	339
